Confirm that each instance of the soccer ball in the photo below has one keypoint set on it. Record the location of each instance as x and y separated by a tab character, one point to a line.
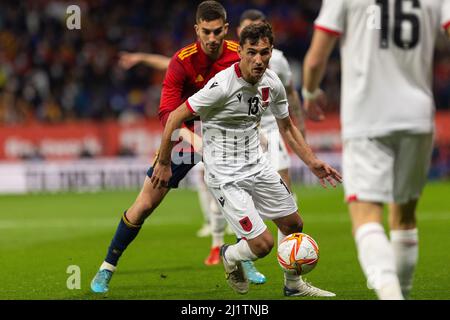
298	253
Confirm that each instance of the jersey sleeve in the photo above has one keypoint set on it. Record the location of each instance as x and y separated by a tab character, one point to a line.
331	18
211	94
445	14
172	89
279	105
285	71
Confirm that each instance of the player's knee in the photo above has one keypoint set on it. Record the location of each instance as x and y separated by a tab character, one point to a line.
262	247
144	207
296	226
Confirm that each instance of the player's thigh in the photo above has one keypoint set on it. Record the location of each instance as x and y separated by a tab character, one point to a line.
271	195
368	170
411	166
151	195
236	204
181	164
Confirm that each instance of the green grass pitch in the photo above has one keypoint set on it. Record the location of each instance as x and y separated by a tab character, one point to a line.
42	235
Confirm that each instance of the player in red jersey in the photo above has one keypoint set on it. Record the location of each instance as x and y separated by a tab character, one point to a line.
189	70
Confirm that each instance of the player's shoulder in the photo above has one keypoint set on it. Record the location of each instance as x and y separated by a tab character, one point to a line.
225	76
223	81
278	58
230	52
272	80
277	54
231	46
186	52
272	77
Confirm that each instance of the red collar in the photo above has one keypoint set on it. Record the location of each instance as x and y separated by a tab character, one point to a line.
237	70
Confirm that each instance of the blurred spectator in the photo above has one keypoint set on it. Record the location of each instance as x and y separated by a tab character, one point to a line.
50	73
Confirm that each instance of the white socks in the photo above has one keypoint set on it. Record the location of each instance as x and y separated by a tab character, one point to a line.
377	260
406	250
239	252
290	280
204	198
107	266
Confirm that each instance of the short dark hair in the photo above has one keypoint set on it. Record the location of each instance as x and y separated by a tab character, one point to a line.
252	15
209	11
255	32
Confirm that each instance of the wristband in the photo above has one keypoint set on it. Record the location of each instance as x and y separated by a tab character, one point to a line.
307	95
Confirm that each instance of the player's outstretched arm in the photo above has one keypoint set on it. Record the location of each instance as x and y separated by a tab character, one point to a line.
314	66
162	171
295	140
295	105
156	61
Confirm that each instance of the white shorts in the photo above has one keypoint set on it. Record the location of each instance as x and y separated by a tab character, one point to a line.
386	169
275	149
245	203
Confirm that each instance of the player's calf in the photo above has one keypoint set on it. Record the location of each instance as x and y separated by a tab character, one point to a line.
261	245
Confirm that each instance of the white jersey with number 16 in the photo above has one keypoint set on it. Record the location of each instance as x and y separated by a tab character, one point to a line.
387	58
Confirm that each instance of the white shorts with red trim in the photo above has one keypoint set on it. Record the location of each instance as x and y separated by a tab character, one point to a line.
386	169
247	202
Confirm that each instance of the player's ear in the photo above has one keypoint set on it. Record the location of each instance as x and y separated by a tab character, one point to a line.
197	30
240	51
225	27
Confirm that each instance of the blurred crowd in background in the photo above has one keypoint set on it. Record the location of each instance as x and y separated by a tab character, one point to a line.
52	74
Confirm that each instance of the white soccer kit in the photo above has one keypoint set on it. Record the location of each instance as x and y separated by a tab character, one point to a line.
246	187
277	153
387	51
278	64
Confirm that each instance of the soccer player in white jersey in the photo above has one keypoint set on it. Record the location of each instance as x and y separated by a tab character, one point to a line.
273	144
387	111
247	188
277	153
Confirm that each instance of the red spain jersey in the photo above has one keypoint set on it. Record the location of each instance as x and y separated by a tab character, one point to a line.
189	70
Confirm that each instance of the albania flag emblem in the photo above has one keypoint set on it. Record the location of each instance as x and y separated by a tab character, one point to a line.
246	224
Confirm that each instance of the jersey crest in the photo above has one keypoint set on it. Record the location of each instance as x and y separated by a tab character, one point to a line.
265	96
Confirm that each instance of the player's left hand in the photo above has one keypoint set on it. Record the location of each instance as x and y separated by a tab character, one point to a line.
161	175
314	109
325	172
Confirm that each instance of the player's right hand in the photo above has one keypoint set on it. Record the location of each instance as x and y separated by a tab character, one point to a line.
314	108
161	175
128	60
